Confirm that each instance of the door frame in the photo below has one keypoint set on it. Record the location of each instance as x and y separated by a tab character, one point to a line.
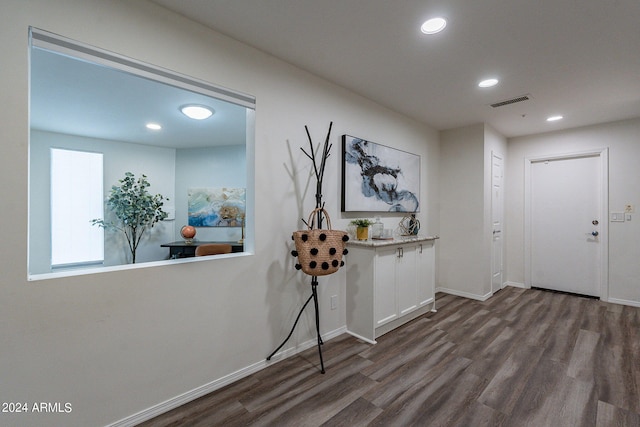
603	155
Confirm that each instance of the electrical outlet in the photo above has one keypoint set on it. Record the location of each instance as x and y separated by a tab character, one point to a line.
629	208
334	302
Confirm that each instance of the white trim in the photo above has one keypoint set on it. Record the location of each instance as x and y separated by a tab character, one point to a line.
205	389
630	303
465	294
603	154
57	43
360	337
94	270
517	285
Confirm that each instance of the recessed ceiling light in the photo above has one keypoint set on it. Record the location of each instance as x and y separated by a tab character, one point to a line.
554	118
153	126
433	25
488	83
196	112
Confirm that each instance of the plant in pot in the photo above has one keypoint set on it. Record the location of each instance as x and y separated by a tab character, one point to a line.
135	209
362	227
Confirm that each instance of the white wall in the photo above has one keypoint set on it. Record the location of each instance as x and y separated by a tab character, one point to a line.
157	163
224	166
120	342
624	188
464	266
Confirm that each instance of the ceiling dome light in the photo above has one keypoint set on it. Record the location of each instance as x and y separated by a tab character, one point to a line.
196	112
488	83
554	118
153	126
433	25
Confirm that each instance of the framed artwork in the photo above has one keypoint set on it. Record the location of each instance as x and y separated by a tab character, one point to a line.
216	207
376	178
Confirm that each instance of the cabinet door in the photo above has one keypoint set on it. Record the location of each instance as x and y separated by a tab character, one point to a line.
385	286
425	261
406	280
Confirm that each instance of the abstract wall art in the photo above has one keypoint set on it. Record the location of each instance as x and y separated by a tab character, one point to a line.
216	207
377	178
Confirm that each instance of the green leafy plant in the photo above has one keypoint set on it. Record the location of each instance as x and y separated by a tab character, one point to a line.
360	222
135	209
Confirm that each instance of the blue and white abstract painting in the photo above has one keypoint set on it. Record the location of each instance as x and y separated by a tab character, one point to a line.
216	207
376	178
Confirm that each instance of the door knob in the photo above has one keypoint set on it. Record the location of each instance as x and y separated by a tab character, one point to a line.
594	233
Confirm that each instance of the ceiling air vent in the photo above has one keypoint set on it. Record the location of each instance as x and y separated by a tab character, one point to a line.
511	101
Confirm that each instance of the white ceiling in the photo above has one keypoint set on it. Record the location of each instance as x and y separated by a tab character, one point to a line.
76	97
577	58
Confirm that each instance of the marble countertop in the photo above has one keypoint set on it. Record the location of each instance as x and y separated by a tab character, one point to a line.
374	243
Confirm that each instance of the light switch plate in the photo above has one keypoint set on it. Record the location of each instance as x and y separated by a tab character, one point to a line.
617	217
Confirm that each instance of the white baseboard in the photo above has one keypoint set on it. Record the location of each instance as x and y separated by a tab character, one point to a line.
624	302
516	285
360	337
465	294
205	389
611	300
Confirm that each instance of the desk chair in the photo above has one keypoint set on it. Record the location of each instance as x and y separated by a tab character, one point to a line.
213	249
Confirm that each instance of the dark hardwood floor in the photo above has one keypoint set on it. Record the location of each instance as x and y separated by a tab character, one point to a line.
521	358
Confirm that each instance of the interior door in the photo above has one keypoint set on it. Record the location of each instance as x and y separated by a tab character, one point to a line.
566	224
497	215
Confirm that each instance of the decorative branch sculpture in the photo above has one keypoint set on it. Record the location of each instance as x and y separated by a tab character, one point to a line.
319	173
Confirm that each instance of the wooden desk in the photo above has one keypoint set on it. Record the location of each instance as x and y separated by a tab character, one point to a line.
181	249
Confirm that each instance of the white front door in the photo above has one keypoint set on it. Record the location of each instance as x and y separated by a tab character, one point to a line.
567	224
497	214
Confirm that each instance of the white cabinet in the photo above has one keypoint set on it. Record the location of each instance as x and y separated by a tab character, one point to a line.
407	279
388	284
426	268
386	297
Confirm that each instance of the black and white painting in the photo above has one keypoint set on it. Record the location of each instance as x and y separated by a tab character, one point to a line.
376	178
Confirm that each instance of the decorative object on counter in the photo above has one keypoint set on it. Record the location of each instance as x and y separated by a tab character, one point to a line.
319	212
135	208
241	218
319	251
409	225
216	207
377	229
188	232
362	227
376	178
414	225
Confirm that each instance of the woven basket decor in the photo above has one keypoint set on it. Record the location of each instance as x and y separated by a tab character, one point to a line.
319	251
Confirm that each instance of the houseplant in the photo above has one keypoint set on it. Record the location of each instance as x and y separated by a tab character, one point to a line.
362	227
135	209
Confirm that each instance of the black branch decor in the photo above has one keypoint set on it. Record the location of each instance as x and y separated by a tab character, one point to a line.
319	162
318	170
